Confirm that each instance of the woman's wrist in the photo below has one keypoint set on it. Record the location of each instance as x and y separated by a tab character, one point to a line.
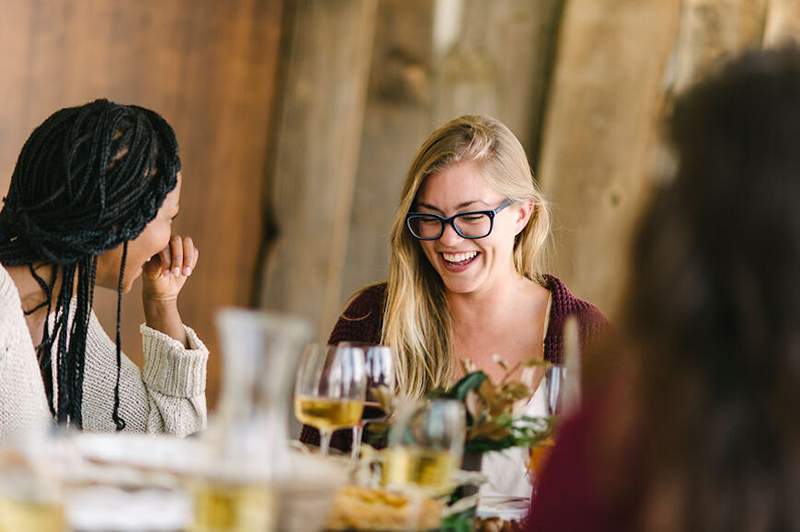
162	315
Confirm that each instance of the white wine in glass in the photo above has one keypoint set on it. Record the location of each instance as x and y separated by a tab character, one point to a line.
379	361
426	444
330	389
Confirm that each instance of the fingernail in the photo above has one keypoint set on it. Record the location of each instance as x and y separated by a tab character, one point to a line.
187	271
176	271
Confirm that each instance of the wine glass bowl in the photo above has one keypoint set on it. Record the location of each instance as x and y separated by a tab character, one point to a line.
330	389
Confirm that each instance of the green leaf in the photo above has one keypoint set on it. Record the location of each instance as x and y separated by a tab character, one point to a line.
460	522
471	381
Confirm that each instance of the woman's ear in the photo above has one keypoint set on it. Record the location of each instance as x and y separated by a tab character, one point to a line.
525	210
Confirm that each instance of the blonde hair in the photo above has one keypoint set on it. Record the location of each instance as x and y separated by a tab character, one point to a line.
416	320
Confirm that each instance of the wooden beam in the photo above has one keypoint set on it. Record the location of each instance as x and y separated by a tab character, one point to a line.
397	119
604	108
712	30
499	64
783	22
318	143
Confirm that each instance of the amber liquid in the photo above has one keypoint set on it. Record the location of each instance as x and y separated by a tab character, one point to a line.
539	455
426	468
29	516
328	414
227	507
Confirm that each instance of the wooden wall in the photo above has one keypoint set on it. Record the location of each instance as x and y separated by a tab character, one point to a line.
209	67
585	84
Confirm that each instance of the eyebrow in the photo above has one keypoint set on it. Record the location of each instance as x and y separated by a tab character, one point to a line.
458	207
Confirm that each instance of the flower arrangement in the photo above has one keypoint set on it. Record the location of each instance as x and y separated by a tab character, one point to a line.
492	424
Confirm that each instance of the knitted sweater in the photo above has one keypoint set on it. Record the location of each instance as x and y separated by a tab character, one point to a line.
362	321
168	395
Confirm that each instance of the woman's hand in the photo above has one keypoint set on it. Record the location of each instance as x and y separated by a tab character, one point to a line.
165	273
163	278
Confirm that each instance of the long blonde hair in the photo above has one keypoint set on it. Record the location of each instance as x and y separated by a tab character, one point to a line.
417	321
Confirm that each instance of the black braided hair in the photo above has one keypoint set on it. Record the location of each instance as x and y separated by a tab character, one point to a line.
87	180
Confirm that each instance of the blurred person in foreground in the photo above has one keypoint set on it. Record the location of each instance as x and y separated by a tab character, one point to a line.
697	428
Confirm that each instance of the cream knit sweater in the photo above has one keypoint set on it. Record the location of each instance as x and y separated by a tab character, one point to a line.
168	395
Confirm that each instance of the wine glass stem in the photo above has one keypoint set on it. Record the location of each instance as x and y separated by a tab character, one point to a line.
324	441
358	431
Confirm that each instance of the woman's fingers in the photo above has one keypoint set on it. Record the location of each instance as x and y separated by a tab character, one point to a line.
176	248
189	252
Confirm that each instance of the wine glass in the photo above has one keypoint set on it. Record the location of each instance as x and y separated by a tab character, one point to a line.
330	389
426	444
553	400
380	388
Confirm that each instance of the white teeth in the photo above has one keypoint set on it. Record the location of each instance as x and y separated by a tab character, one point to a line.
459	257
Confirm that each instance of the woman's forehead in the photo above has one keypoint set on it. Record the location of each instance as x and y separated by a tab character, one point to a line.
454	186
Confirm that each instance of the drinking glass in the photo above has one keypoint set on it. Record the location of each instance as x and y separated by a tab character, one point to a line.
426	444
380	388
554	386
246	443
330	389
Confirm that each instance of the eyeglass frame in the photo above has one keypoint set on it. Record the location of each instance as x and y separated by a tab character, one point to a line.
491	213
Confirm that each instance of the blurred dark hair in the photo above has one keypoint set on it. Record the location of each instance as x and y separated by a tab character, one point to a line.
714	306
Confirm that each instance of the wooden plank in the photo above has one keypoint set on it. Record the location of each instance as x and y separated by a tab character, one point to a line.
209	68
604	106
500	64
712	30
318	140
397	118
783	22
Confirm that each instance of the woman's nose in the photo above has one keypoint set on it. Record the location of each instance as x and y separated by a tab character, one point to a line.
449	236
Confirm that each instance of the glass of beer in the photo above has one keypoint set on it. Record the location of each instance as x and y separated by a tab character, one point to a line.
330	389
426	444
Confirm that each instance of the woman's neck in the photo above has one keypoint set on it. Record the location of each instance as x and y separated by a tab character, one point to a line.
493	305
31	294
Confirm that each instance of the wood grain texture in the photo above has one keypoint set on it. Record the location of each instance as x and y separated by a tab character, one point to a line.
604	109
209	68
783	22
712	30
397	118
316	155
500	65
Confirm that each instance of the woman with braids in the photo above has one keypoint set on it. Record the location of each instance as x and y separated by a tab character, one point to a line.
91	203
466	275
702	434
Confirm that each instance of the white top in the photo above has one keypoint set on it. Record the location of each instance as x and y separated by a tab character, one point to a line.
507	471
168	395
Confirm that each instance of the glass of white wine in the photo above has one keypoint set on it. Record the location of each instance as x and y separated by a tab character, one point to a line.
330	389
426	444
380	388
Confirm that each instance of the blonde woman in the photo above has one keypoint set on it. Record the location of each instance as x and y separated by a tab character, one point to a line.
466	277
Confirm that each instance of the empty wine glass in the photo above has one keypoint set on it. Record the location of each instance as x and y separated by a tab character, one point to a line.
330	389
380	388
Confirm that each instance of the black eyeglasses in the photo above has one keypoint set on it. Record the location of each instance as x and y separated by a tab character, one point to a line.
471	225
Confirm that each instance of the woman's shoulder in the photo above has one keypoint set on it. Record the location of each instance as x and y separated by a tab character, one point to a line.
9	296
564	304
367	300
362	319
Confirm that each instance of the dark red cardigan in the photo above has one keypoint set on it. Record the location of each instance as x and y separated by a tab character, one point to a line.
363	319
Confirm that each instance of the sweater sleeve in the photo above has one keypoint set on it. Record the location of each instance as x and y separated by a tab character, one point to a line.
22	398
168	395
